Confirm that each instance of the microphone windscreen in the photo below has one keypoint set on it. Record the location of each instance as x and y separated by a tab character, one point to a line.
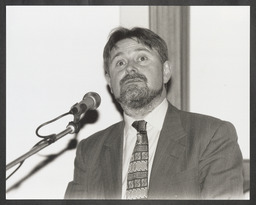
95	97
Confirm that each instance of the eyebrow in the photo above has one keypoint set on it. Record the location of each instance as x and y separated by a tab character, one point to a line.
116	55
136	50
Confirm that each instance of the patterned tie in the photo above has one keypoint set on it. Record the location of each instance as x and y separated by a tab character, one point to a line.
137	179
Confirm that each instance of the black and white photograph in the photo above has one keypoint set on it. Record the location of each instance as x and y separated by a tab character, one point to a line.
127	102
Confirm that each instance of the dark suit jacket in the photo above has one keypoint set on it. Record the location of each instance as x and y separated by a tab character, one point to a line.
197	157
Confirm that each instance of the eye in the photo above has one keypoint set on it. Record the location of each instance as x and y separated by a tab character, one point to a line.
120	63
143	58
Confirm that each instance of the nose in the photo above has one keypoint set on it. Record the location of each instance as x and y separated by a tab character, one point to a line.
131	68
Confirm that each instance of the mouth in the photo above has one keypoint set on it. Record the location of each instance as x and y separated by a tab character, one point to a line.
134	80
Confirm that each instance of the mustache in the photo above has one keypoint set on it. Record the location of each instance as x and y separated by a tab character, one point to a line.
133	76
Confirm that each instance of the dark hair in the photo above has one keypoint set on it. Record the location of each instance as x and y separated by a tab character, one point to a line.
143	35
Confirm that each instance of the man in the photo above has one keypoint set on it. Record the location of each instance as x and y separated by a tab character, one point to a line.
166	153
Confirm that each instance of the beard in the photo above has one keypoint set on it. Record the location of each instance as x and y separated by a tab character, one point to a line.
136	95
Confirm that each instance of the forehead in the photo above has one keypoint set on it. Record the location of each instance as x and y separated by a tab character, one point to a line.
129	45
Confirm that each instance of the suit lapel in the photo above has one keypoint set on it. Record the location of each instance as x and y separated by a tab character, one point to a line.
170	148
111	162
167	160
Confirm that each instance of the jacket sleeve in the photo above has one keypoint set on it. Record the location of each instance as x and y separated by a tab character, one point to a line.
220	165
77	189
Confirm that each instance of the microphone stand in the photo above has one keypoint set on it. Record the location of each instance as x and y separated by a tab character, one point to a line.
71	128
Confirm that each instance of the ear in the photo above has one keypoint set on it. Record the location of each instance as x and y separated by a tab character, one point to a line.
167	71
107	77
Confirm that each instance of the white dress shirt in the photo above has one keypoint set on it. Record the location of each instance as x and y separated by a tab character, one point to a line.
155	120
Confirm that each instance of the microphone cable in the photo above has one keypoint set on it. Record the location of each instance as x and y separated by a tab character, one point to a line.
90	100
50	137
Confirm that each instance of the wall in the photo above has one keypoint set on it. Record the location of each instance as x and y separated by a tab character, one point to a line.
220	66
54	57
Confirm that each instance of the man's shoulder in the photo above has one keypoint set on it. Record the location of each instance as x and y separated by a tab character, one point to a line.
201	122
188	117
200	118
203	129
102	135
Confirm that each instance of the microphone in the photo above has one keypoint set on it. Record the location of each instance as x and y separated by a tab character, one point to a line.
91	101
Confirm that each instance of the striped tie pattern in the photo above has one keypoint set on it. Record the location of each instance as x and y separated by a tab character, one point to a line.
137	179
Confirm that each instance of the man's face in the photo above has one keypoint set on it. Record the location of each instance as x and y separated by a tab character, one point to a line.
136	74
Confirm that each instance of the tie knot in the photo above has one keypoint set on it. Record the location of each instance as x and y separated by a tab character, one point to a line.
140	126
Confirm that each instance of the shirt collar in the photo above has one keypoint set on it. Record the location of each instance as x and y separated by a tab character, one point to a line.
154	118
